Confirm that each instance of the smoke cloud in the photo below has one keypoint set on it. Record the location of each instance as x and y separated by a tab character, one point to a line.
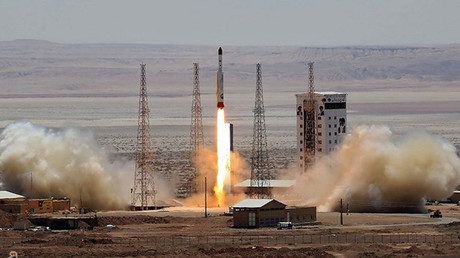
206	165
374	171
40	162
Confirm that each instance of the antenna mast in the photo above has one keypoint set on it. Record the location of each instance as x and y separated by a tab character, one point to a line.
260	169
187	177
144	185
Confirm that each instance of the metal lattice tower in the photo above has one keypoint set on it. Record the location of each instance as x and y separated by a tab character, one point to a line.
143	194
196	127
260	169
310	129
187	178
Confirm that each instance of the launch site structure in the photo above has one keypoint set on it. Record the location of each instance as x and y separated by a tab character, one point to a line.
187	177
143	193
321	123
260	168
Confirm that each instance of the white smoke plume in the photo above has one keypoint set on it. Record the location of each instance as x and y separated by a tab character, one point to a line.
206	165
374	171
61	163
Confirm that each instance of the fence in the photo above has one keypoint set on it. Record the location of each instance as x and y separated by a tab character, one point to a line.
281	239
289	239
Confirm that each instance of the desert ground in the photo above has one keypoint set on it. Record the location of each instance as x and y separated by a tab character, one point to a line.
180	232
94	88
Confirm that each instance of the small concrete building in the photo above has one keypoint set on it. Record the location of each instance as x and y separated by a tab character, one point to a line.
455	198
18	204
258	213
13	203
253	213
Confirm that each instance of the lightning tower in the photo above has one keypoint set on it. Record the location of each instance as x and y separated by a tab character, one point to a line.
196	128
310	129
260	169
143	193
187	185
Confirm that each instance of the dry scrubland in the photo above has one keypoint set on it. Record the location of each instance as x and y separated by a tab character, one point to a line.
184	232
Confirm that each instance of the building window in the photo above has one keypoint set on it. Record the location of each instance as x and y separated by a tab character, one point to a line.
300	149
319	125
301	142
335	118
319	118
301	133
300	157
329	118
329	133
329	126
334	133
320	142
330	141
252	219
335	141
320	150
300	126
335	126
300	118
319	133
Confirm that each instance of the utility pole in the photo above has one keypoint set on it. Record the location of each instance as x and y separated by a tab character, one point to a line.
144	185
341	211
205	197
31	184
260	169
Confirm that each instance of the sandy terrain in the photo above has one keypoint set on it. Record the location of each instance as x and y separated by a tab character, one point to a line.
95	87
185	232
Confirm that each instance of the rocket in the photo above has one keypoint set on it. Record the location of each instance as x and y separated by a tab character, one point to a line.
220	83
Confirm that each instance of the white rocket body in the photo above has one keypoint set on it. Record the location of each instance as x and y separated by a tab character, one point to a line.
220	83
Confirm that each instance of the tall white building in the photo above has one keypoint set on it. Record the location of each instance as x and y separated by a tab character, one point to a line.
330	123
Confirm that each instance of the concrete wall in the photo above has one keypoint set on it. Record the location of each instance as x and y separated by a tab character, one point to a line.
301	214
266	216
241	217
455	198
61	205
18	208
40	205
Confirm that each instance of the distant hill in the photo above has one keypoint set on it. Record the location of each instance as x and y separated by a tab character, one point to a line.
33	67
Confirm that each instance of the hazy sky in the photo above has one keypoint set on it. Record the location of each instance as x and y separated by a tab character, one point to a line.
233	22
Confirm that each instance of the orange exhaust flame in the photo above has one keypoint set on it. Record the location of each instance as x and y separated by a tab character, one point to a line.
223	158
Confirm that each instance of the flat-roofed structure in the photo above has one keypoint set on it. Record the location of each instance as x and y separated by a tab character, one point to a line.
330	117
258	213
13	203
254	213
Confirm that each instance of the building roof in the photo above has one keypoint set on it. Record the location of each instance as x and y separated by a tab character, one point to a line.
329	93
254	203
267	183
10	195
323	93
298	207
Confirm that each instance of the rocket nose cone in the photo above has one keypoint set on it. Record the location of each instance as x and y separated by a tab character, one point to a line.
220	51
